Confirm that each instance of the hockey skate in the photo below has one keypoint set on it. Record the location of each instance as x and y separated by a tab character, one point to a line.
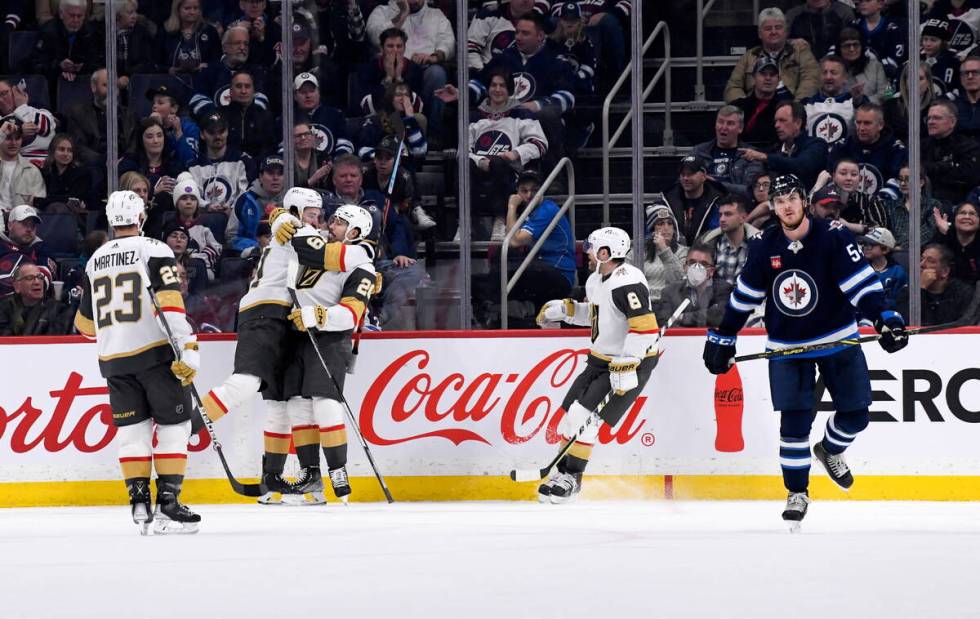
835	466
544	490
565	487
171	516
340	483
277	487
310	485
139	500
796	505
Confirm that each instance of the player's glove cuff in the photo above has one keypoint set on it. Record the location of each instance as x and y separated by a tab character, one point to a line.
721	340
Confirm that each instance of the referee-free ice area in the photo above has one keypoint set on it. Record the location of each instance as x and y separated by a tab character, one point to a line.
498	560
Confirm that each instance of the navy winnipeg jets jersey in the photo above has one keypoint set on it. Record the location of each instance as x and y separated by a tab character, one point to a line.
811	287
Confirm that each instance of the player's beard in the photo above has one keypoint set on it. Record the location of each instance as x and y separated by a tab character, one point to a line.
792	224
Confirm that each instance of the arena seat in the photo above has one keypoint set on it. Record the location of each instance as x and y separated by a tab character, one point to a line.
21	46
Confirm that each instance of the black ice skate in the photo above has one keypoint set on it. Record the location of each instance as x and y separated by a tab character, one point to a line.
835	466
276	486
139	500
544	490
310	482
565	487
340	483
796	504
171	516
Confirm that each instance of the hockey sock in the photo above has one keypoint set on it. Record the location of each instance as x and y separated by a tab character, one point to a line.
306	432
577	458
333	433
170	453
794	448
136	452
843	428
275	437
230	395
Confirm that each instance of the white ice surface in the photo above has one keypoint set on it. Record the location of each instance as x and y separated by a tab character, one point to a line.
498	560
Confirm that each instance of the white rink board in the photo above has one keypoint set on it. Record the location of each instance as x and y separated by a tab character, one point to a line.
479	405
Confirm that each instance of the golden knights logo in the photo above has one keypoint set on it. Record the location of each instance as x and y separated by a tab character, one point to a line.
795	293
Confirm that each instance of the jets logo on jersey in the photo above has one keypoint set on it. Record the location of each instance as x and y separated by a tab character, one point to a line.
719	167
795	293
493	142
961	35
323	138
524	86
223	96
871	179
217	190
831	128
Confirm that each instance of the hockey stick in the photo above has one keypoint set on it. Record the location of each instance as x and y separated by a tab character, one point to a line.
854	341
250	490
350	414
520	475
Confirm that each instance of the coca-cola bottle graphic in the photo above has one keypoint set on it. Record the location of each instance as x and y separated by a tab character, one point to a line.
728	411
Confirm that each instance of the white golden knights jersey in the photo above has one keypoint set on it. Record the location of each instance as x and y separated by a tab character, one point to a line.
619	311
343	282
117	311
268	284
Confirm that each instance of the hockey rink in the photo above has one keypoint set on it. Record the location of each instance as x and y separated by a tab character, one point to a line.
497	560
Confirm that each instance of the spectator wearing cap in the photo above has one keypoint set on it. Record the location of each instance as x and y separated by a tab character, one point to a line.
878	152
759	106
798	70
960	237
395	115
819	22
945	298
187	43
968	101
666	251
148	154
20	244
951	159
20	181
309	58
253	206
797	153
827	203
86	124
404	193
729	241
390	67
263	34
37	125
607	27
864	70
67	185
223	173
878	245
182	134
178	239
575	47
212	84
722	156
32	310
250	126
430	44
694	200
311	168
190	215
885	36
942	61
134	43
327	124
68	45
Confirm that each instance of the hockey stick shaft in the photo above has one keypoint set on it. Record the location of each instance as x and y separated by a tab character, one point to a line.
799	350
350	413
250	490
538	474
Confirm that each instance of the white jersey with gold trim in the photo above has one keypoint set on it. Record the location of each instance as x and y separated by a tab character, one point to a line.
350	288
622	319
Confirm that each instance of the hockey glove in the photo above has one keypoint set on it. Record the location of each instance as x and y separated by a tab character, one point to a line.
311	316
622	374
190	362
556	311
891	326
719	352
284	228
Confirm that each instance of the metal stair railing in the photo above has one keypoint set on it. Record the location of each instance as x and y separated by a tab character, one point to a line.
506	285
609	142
703	9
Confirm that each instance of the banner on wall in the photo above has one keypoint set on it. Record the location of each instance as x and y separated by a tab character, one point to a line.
482	405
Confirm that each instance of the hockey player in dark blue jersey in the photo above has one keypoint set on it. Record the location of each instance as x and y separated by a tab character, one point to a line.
812	275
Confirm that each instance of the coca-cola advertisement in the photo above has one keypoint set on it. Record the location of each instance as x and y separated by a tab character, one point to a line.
481	404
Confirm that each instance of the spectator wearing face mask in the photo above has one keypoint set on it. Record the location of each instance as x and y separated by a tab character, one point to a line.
708	294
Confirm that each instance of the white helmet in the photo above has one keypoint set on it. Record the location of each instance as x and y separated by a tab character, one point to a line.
301	198
124	208
356	217
613	239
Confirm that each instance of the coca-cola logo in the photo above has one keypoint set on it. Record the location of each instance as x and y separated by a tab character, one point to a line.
728	396
451	400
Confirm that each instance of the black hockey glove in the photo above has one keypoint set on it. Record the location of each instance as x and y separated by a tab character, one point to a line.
719	352
891	326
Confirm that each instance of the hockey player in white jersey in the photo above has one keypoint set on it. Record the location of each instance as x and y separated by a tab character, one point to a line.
333	303
147	385
621	358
